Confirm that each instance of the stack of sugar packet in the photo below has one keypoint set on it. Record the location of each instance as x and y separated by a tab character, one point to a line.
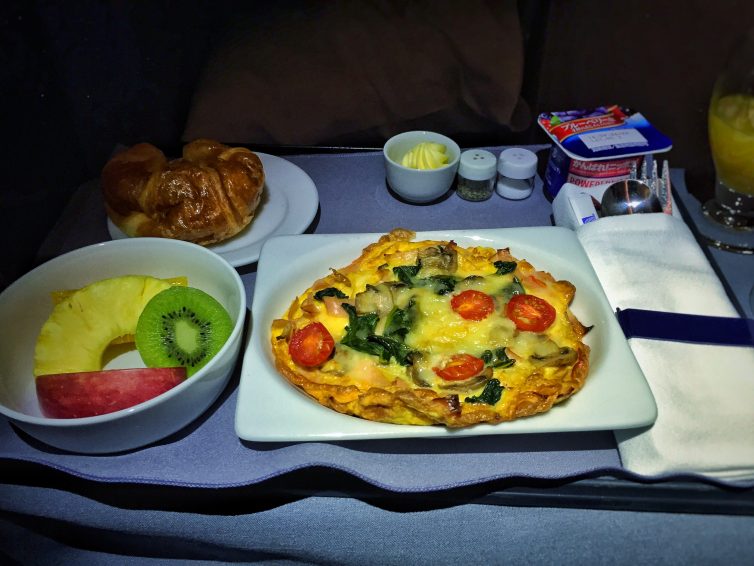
704	393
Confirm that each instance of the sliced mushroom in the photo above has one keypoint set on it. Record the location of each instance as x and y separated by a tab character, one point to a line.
420	371
340	278
467	384
564	356
282	327
419	376
454	403
438	259
310	306
375	298
543	346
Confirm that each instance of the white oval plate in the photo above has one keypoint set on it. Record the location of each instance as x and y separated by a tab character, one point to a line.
289	204
269	409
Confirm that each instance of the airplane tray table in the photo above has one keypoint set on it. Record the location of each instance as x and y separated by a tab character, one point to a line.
207	469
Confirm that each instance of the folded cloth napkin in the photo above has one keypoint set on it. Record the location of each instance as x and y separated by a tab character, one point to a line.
704	393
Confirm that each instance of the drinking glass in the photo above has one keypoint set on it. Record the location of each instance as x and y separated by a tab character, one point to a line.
731	137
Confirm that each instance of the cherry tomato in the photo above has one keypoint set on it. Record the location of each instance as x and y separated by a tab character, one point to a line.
312	345
529	312
460	367
472	305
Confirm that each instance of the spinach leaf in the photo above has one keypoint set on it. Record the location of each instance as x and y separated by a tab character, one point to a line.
490	395
330	292
358	331
360	336
504	267
497	359
393	348
440	284
513	288
399	321
407	273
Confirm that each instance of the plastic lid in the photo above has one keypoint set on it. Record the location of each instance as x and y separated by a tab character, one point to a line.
517	163
477	165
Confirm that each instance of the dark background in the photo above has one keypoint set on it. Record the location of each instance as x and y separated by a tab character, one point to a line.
80	77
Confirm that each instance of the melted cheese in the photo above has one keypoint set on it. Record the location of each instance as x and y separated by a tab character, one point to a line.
439	329
437	332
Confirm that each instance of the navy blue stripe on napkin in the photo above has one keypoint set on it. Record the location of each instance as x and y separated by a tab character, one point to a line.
676	327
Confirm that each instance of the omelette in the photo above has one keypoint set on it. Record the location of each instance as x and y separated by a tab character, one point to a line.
432	333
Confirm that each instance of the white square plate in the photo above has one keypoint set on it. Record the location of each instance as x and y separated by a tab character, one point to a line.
615	396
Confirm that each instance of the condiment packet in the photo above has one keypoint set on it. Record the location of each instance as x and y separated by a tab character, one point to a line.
597	146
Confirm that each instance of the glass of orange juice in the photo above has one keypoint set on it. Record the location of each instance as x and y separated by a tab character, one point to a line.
731	137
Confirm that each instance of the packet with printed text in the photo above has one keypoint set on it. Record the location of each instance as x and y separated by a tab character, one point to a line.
597	146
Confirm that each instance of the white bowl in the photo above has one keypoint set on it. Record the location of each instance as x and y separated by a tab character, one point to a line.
25	306
419	185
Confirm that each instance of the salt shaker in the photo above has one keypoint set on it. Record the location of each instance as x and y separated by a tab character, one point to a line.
516	169
476	175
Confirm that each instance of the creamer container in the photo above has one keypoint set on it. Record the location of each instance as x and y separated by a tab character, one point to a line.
597	146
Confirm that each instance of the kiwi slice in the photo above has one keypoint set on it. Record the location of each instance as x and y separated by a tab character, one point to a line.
182	326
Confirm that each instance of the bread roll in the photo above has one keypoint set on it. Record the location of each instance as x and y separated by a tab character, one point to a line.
205	197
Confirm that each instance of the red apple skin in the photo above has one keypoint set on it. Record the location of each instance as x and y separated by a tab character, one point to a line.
90	393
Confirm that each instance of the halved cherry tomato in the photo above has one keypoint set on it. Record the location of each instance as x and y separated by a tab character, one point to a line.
460	367
311	345
529	312
472	305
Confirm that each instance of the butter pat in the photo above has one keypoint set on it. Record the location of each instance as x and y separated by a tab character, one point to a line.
426	155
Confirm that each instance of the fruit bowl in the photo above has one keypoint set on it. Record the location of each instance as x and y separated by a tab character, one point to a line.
26	305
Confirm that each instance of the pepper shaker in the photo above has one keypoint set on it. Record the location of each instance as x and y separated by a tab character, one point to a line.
476	175
516	168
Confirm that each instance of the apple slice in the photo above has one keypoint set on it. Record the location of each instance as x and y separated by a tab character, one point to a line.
90	393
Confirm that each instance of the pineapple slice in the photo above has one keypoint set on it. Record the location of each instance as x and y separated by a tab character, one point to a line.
82	326
62	294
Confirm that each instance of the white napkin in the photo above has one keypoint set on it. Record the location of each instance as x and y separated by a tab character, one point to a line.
704	393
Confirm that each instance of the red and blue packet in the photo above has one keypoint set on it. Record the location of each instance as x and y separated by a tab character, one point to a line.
597	146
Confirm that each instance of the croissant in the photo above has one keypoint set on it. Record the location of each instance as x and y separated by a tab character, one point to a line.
205	197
